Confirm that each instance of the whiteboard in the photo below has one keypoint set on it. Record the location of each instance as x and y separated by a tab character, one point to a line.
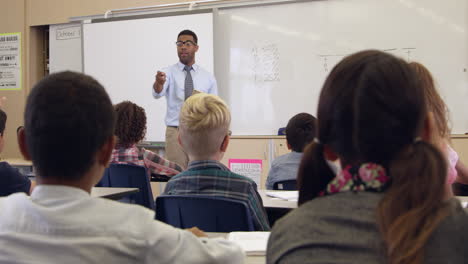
65	53
124	56
271	61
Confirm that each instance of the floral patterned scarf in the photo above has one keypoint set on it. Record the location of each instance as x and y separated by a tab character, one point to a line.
367	177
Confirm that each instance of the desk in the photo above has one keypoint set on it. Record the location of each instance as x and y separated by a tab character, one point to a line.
18	162
24	166
271	202
275	207
248	259
112	193
463	200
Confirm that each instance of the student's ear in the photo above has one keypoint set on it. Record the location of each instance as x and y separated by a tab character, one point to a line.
289	146
22	144
179	140
428	133
225	143
329	154
2	141
196	48
105	153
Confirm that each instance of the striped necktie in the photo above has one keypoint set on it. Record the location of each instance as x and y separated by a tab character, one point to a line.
188	89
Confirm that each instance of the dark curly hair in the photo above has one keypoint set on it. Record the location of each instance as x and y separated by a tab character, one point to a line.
130	127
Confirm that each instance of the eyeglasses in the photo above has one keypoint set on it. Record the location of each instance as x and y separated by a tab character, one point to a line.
187	43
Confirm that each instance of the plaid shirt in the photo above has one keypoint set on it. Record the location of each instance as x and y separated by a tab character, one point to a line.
211	178
152	161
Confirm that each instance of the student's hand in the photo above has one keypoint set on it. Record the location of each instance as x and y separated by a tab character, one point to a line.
160	78
197	232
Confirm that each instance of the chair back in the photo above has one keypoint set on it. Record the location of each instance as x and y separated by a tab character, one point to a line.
105	180
289	185
211	214
130	176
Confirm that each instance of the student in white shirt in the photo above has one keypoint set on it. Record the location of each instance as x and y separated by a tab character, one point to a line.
177	83
69	127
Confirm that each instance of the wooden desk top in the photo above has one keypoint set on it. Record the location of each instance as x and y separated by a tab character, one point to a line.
270	202
18	162
112	193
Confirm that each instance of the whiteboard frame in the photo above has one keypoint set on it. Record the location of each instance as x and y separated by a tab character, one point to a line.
185	7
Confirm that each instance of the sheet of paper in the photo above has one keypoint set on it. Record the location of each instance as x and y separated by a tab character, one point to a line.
284	195
251	168
10	61
253	243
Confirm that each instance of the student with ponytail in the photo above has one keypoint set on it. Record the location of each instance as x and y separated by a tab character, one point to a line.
457	171
387	202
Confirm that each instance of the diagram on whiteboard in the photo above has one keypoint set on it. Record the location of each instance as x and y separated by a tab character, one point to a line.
330	60
266	62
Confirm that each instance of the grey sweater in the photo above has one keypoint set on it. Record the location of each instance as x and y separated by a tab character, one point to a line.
341	228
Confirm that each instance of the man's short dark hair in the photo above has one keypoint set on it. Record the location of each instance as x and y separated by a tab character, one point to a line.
190	33
300	131
3	119
68	118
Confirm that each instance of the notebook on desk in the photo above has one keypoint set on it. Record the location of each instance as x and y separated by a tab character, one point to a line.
253	243
284	195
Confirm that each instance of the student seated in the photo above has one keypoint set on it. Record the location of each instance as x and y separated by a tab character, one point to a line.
204	136
130	128
60	222
11	180
387	204
300	131
457	171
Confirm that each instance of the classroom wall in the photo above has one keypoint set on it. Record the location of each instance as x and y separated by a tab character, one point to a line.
48	12
31	18
12	19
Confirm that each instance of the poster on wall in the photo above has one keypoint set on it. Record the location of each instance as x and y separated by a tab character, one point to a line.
251	168
10	61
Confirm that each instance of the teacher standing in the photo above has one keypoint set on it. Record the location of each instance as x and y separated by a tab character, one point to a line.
177	83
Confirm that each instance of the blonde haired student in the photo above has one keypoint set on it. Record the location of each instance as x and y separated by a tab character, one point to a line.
386	204
204	135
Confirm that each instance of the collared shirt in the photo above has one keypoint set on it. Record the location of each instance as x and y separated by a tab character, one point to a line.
212	178
283	168
173	88
152	161
60	224
452	173
11	180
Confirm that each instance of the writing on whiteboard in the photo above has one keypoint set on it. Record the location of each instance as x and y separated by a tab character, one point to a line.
330	60
266	62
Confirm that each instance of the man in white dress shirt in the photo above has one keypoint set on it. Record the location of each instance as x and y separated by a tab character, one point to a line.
177	83
69	126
